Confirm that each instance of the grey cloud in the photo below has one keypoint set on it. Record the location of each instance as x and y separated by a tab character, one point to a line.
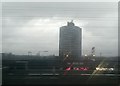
101	18
83	9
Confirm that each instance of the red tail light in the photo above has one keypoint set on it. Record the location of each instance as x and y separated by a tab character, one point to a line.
68	69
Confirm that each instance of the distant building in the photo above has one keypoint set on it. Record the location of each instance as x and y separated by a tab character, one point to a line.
70	42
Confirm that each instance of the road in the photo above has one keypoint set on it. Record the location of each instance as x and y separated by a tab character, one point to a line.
56	79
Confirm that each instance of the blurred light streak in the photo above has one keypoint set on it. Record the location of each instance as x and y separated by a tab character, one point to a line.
65	73
97	71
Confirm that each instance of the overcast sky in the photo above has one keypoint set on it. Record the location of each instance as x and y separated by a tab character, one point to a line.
35	26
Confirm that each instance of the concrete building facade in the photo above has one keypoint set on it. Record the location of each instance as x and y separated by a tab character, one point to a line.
70	42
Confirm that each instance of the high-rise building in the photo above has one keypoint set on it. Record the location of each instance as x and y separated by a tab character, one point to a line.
70	42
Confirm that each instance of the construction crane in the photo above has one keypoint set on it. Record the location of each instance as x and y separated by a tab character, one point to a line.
93	51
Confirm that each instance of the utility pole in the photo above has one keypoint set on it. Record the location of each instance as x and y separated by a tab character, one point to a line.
100	54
